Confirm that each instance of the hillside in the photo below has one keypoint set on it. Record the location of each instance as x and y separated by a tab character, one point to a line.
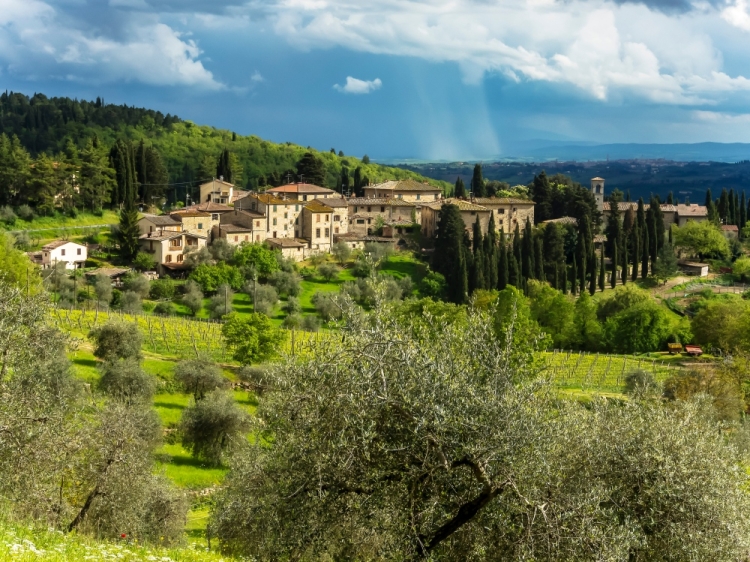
189	151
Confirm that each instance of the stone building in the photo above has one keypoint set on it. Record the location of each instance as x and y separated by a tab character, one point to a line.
365	212
303	192
508	211
469	213
316	226
408	190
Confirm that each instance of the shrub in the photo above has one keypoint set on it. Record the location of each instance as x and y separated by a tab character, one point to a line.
210	277
310	323
22	240
432	285
137	283
341	251
162	289
292	321
256	377
144	262
193	297
131	302
351	288
253	338
221	303
165	308
328	271
640	383
125	381
292	306
26	213
326	305
210	426
7	216
117	340
199	377
286	283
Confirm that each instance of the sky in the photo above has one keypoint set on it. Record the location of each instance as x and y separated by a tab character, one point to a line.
398	79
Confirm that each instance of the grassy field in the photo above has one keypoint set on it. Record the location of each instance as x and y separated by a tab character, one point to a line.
24	544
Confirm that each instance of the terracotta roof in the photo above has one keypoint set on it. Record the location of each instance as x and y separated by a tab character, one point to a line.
693	210
502	201
217	180
404	185
336	202
300	188
161	220
730	227
287	242
161	235
189	213
238	194
210	207
462	205
315	206
395	202
235	228
57	244
623	206
271	199
562	220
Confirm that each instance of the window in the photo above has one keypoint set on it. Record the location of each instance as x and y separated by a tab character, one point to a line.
336	230
274	222
328	232
355	208
175	243
215	217
399	196
257	224
317	218
501	211
304	197
78	251
360	221
200	226
327	217
382	209
419	196
274	208
296	208
473	213
257	237
247	238
369	209
317	233
436	197
168	259
62	252
336	218
286	215
236	238
191	242
180	257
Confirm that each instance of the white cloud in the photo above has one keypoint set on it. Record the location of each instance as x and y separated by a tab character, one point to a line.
738	14
597	46
722	118
356	86
148	51
257	77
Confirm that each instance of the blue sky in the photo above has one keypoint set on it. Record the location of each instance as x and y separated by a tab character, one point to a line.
442	79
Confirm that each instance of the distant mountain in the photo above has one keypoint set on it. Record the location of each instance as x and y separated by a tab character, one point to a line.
548	151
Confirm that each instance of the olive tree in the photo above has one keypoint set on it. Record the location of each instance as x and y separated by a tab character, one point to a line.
126	381
117	340
438	440
211	426
199	376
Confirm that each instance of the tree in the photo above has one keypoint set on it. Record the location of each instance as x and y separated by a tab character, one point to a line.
645	248
224	167
459	190
144	262
640	328
260	258
193	297
503	272
341	251
131	302
252	339
137	283
446	448
210	426
527	248
587	332
365	159
128	232
489	251
103	289
601	273
220	304
703	239
311	169
97	177
593	268
477	182
16	267
541	193
723	325
554	252
199	376
449	258
666	265
124	380
117	340
210	277
328	271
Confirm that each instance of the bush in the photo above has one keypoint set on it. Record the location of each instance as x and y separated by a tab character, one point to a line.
351	288
292	306
292	321
7	216
210	277
193	297
125	381
341	251
199	377
26	213
144	262
256	377
406	285
137	283
640	383
286	283
432	285
326	305
328	271
131	302
162	289
210	426
117	340
252	339
22	240
263	307
165	308
221	303
310	323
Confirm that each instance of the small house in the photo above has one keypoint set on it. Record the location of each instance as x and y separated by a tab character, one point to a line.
74	255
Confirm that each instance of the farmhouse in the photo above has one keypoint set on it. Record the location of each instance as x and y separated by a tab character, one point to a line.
219	191
61	251
168	247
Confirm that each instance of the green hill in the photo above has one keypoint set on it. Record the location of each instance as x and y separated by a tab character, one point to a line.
60	127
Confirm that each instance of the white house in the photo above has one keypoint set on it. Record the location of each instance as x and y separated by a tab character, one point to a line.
74	255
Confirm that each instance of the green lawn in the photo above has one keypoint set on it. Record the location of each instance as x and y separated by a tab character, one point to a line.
63	221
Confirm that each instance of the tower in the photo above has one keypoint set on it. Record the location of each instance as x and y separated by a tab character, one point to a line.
597	188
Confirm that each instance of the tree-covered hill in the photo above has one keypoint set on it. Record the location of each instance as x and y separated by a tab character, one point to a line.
189	151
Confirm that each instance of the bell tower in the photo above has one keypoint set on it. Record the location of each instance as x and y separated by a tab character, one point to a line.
597	188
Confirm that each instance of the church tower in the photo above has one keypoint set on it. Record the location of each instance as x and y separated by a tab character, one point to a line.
597	188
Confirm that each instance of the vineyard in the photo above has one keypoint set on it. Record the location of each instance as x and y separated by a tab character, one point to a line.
580	372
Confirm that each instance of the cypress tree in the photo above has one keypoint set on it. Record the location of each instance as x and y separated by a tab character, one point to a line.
724	206
743	212
574	278
645	253
502	268
490	254
580	257
224	166
539	258
636	252
709	198
670	198
514	275
528	251
449	257
564	278
460	189
592	275
477	182
737	208
658	224
601	273
613	280
732	209
624	273
477	280
517	244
